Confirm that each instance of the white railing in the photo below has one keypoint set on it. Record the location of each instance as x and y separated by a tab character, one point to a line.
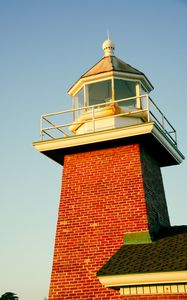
52	128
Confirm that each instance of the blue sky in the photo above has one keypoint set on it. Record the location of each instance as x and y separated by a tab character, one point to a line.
45	46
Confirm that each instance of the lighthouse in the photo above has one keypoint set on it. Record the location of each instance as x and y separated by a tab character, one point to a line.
114	238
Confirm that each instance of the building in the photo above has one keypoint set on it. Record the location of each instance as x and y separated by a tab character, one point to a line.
114	239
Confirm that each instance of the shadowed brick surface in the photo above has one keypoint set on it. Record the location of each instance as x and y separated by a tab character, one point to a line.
154	192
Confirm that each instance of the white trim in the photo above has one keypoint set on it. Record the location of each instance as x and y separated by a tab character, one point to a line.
154	289
143	279
111	134
105	75
99	136
99	80
138	101
113	89
85	95
84	85
87	80
126	78
135	77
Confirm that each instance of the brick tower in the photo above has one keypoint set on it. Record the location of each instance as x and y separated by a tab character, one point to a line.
112	203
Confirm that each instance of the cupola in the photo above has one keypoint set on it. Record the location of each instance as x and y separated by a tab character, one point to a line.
111	87
111	103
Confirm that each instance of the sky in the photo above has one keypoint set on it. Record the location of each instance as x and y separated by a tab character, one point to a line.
45	46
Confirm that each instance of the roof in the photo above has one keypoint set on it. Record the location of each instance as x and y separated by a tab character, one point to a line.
167	254
113	63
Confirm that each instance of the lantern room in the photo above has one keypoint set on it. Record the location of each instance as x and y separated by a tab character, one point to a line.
112	89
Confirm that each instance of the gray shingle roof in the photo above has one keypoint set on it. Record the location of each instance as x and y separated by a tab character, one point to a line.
164	255
111	63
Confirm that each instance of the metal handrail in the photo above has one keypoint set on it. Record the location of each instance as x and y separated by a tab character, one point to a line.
166	132
93	108
90	106
162	114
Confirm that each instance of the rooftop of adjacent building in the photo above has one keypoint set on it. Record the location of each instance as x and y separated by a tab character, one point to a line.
167	253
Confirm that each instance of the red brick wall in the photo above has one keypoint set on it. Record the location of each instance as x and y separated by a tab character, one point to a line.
102	198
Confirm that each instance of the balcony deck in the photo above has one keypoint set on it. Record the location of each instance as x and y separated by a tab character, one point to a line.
109	121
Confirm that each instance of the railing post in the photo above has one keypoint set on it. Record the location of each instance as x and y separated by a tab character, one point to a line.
162	120
41	128
147	105
138	101
175	138
148	108
93	119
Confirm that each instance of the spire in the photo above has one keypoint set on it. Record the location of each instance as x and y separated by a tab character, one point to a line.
108	47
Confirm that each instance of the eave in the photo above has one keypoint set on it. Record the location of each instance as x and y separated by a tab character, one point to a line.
118	281
109	74
147	134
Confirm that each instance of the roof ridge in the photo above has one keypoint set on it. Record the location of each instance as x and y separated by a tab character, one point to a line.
93	66
124	62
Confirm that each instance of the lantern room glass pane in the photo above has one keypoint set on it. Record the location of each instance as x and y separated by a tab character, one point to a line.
125	89
143	91
99	92
78	102
79	99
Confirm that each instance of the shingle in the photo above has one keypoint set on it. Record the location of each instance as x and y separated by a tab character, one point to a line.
111	63
166	254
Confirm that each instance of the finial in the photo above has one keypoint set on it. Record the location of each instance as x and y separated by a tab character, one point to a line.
108	47
108	36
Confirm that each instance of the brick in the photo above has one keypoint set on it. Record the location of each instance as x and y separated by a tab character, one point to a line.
105	193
